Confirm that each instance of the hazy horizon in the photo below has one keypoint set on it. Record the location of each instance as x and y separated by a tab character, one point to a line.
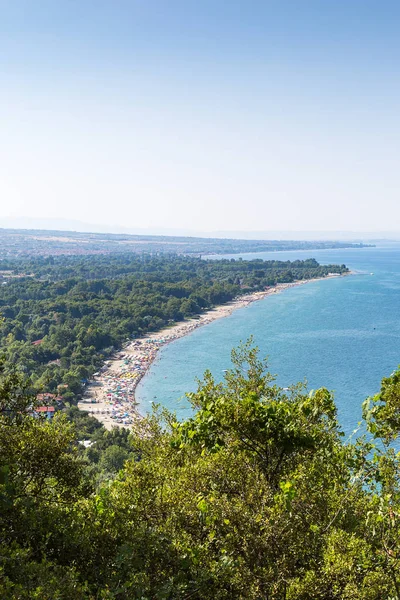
26	223
212	117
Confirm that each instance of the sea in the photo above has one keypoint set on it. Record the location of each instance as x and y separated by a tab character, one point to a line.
341	333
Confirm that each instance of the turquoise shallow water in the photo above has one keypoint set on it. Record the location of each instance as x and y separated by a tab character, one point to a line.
341	333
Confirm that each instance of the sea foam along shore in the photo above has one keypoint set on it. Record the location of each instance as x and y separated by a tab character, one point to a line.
110	397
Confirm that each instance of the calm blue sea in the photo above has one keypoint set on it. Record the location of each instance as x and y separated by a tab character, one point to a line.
341	333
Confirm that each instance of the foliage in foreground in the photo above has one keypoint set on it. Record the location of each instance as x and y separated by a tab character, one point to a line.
256	496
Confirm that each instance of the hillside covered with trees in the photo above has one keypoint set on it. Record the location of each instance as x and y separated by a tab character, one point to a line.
257	496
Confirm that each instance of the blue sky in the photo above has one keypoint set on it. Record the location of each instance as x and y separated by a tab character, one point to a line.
201	115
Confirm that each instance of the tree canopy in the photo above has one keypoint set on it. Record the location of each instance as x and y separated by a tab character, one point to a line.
257	496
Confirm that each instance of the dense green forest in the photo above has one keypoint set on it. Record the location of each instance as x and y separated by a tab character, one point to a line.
257	496
62	316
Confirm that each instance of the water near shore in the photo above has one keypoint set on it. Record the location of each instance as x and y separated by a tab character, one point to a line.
343	333
110	397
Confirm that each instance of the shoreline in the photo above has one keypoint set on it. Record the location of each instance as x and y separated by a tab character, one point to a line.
110	396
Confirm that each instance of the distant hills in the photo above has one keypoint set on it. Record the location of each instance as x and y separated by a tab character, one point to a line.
75	225
39	242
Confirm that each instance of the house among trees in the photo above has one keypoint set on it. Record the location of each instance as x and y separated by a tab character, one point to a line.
48	411
46	397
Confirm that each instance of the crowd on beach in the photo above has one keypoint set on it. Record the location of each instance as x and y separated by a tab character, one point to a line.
111	395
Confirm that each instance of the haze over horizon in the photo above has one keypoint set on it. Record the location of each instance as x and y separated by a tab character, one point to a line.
257	117
71	225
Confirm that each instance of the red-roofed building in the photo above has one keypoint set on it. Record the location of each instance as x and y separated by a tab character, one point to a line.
45	396
48	411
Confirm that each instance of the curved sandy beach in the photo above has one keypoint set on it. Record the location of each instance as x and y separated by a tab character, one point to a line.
110	396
